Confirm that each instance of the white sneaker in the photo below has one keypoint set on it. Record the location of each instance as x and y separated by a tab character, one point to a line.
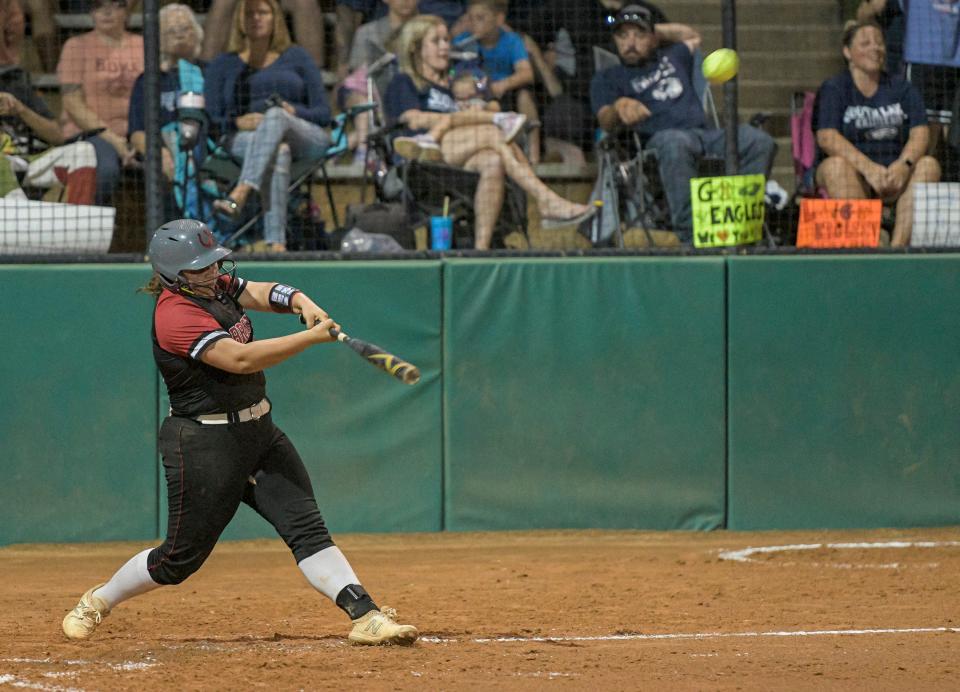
510	124
418	148
380	627
82	621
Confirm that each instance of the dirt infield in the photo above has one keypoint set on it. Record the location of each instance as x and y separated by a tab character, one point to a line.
578	610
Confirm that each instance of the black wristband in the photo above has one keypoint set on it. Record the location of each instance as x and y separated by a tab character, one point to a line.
908	162
281	296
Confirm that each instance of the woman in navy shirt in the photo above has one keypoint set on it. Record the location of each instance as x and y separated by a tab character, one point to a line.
872	130
267	96
419	97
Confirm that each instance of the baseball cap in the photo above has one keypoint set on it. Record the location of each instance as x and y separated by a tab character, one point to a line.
633	14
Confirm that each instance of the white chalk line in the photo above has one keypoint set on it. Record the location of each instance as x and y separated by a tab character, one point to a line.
125	666
694	635
26	683
744	554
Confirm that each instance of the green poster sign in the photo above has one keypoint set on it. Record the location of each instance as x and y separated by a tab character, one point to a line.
727	210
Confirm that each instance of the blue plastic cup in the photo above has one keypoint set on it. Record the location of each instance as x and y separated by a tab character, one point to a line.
441	229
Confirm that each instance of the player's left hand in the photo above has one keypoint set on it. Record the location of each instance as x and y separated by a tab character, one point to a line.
310	312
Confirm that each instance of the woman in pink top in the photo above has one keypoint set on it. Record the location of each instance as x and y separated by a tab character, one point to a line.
96	72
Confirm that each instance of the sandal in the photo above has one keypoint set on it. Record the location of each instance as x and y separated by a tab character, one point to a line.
553	222
227	207
418	148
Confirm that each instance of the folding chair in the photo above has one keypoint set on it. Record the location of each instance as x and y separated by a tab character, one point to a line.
429	186
425	188
629	190
220	170
803	142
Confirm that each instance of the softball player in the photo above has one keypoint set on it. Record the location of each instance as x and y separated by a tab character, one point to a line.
219	444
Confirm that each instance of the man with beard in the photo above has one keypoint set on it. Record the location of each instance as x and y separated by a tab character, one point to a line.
652	92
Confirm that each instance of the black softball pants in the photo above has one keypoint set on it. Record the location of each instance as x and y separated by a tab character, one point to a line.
208	470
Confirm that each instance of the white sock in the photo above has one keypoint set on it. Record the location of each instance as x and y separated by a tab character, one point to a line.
328	572
130	580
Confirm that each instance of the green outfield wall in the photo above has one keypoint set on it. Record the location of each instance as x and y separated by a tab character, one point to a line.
844	391
77	433
584	393
636	392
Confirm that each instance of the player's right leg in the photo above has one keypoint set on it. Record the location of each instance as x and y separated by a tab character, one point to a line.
194	456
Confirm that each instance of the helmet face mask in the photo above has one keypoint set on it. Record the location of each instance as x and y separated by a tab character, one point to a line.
183	245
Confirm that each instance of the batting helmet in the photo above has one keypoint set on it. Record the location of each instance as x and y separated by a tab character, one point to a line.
183	244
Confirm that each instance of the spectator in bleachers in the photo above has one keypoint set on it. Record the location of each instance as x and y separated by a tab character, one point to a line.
43	31
652	92
370	41
308	27
11	33
420	99
24	116
352	13
180	39
872	132
889	15
567	33
931	33
468	91
551	101
267	97
369	44
96	72
504	59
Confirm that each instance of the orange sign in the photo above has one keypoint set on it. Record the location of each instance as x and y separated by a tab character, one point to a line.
826	223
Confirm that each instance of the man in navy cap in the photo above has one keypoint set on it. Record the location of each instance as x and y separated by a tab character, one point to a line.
652	92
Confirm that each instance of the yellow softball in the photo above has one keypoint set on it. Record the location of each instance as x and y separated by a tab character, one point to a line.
721	65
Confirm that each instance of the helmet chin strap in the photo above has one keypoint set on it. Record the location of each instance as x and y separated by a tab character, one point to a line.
185	286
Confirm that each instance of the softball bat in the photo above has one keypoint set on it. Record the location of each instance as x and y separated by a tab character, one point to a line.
408	373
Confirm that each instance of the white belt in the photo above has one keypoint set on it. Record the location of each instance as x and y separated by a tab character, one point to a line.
255	412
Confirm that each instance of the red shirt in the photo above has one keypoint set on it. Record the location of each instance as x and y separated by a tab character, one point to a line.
184	327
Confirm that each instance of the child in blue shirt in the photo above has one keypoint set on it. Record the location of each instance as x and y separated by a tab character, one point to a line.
504	58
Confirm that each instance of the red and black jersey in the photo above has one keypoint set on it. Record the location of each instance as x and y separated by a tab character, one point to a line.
184	326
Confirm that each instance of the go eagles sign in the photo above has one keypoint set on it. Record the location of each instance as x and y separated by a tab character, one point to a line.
727	210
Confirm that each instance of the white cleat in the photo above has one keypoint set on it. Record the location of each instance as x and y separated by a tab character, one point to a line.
82	621
380	627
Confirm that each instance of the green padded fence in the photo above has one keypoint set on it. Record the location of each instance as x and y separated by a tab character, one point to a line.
77	434
584	393
661	393
844	384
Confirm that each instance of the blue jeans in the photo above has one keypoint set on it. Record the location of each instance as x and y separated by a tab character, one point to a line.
108	170
267	154
679	151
